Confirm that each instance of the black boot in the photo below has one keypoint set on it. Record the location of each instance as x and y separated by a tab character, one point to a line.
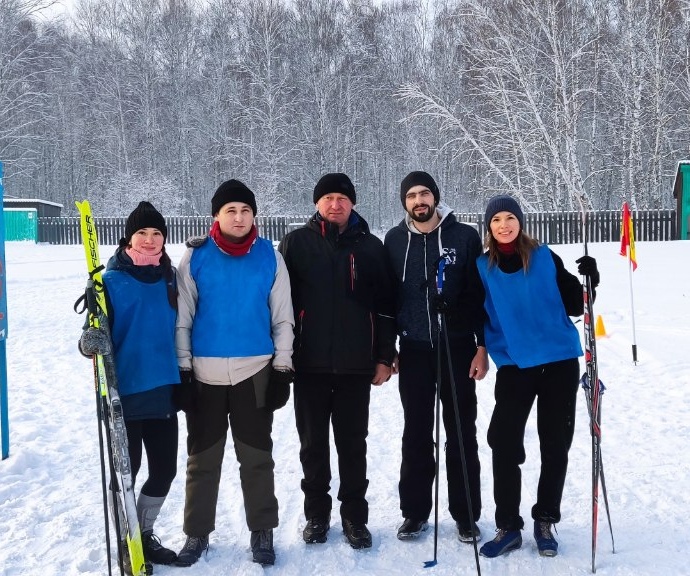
357	534
154	551
316	530
411	529
192	550
262	547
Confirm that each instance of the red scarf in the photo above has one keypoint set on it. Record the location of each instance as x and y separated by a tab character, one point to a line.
506	249
233	248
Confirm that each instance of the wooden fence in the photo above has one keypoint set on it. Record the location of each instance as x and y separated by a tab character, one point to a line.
548	227
65	230
602	226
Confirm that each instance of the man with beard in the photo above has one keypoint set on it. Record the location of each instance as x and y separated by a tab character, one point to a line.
427	235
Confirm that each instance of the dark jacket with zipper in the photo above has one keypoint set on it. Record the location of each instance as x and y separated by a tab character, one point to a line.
341	295
414	259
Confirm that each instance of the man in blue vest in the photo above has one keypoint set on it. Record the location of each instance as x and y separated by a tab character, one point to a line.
234	348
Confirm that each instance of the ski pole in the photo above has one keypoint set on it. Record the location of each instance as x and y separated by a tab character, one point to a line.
439	287
456	409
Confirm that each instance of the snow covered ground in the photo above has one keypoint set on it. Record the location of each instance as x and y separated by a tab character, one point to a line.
50	497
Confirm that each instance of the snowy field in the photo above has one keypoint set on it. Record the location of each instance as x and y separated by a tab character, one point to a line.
50	493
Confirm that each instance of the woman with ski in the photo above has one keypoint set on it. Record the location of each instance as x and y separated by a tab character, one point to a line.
529	298
141	309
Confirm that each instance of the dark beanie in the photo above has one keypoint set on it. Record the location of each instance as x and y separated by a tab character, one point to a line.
335	182
503	203
419	178
232	191
144	216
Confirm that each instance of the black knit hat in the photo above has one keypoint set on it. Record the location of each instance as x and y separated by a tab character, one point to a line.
335	182
144	216
503	203
232	191
419	178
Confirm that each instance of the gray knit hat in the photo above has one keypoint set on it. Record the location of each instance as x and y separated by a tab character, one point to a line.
503	203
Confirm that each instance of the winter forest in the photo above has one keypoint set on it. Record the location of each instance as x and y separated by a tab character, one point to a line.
550	100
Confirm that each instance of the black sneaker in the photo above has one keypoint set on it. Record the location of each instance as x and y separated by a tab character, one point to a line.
357	534
316	530
411	529
546	543
262	547
192	550
468	533
154	551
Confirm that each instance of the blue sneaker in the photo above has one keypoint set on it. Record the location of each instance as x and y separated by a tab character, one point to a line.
504	542
546	543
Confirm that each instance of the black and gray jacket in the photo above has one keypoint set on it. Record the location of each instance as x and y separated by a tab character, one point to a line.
342	297
414	258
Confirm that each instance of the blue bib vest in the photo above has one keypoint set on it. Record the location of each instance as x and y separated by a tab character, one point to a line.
233	316
143	333
527	324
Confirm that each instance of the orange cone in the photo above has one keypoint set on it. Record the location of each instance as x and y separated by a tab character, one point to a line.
599	330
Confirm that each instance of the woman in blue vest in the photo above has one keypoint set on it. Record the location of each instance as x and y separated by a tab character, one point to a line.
535	346
141	299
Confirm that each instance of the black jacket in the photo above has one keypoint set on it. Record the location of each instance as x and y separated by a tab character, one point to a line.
414	259
341	294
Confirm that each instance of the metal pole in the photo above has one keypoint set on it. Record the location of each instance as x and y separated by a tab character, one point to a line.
632	309
4	409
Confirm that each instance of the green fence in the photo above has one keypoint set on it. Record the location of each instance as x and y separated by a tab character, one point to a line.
21	224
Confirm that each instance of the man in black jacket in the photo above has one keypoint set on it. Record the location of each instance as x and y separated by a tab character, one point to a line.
427	235
344	343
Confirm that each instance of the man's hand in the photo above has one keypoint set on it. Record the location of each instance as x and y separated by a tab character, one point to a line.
381	375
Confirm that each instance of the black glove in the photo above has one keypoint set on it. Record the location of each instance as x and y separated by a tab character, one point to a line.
94	341
185	395
587	266
439	304
278	391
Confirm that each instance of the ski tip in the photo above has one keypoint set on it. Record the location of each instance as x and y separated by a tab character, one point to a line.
430	563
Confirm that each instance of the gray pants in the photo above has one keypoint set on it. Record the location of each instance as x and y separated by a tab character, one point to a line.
219	408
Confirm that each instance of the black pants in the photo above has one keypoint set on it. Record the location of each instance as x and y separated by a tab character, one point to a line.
343	400
555	387
238	409
417	383
159	437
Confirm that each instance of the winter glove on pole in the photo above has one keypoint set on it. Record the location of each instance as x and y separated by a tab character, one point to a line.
439	304
587	266
94	341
